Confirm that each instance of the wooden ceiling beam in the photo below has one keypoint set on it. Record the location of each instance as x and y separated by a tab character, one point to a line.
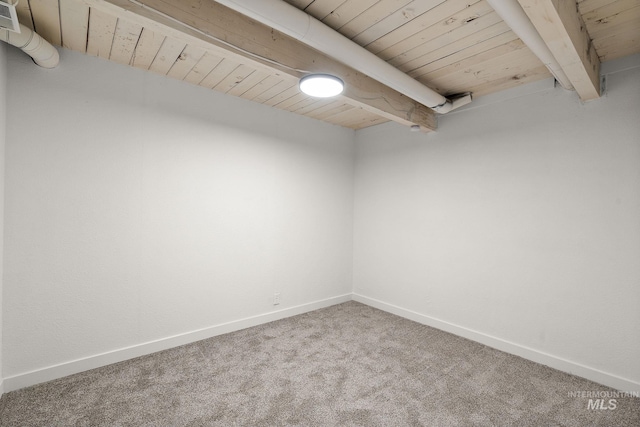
214	27
561	27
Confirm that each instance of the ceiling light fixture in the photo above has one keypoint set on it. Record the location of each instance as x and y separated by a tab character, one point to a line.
321	85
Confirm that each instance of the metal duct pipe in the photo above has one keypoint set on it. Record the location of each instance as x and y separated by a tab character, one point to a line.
42	52
296	23
514	16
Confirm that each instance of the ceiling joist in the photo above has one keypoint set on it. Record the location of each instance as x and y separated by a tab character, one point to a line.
216	28
561	27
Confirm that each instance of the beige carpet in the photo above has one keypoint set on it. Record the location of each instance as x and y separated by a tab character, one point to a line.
346	365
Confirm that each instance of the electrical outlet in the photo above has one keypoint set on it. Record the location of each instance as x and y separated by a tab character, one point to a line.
276	298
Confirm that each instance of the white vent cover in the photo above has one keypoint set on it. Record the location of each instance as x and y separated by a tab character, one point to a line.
8	17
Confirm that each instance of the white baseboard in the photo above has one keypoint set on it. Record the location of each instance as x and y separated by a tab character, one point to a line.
75	366
537	356
64	369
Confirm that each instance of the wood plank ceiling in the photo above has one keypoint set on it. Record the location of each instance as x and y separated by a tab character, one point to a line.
453	46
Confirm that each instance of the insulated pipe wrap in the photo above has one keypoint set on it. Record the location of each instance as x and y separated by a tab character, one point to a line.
296	23
42	52
515	17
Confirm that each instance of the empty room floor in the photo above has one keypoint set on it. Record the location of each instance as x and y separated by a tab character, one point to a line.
346	365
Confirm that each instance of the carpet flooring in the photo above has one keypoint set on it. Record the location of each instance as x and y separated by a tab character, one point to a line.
346	365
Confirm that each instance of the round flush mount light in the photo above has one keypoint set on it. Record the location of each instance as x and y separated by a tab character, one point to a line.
321	85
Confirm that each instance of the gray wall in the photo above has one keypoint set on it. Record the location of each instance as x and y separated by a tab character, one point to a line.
142	208
3	126
143	213
516	224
